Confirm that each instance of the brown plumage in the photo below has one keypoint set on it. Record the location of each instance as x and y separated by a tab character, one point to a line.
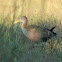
35	33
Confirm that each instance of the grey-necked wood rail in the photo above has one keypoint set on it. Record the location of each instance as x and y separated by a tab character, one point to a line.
35	33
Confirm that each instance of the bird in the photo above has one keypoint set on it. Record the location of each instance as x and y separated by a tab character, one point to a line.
35	33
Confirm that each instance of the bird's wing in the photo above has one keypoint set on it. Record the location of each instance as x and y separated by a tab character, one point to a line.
34	28
44	32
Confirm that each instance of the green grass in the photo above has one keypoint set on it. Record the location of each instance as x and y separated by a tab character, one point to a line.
15	47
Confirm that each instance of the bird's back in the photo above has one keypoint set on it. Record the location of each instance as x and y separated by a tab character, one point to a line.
36	33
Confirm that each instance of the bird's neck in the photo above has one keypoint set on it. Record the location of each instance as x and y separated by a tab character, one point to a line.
25	24
24	29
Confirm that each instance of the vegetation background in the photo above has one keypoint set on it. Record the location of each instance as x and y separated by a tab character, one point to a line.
14	46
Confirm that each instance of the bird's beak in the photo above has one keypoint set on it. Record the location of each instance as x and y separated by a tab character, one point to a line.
17	21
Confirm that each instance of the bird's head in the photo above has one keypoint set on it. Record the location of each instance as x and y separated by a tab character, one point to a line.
23	19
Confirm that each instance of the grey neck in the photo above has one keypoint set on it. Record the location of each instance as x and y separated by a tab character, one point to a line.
24	30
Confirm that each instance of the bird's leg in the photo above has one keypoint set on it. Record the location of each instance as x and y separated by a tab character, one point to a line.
31	46
44	39
34	45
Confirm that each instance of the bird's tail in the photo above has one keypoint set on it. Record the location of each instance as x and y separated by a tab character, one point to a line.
52	30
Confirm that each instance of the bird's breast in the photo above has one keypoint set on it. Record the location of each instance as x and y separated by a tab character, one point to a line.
34	36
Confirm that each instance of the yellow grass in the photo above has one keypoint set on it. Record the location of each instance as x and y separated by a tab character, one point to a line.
34	8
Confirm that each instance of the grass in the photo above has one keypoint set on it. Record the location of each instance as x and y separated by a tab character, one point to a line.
15	47
33	7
